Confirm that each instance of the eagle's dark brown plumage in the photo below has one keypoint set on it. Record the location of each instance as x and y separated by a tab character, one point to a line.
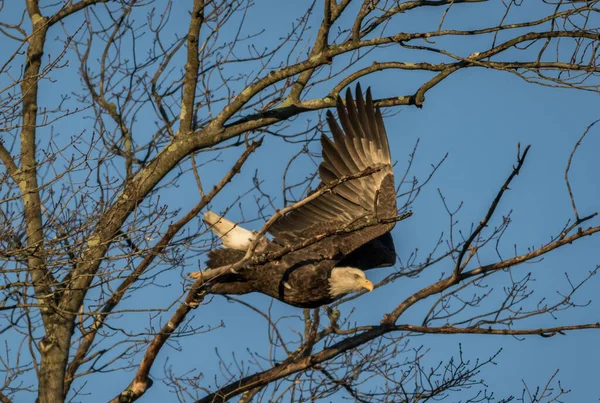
332	267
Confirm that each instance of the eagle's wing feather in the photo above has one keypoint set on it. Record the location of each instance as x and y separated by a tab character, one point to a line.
361	142
223	256
379	252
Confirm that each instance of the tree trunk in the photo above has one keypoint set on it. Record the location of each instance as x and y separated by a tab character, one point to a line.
55	353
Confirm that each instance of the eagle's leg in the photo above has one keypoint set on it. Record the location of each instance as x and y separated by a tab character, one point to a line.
234	288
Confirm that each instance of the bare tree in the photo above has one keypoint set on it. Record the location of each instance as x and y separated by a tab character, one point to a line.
113	111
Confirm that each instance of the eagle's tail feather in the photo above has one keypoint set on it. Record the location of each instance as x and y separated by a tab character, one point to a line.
233	236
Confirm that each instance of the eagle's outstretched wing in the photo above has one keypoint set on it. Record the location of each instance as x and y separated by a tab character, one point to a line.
360	143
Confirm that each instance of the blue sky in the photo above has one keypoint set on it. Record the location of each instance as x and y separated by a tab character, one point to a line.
478	117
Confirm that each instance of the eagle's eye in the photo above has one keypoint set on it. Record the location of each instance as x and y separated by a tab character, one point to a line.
356	276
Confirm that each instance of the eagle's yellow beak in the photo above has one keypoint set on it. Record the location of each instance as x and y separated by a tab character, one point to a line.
367	285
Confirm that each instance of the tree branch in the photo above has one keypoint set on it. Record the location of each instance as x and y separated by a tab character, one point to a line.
190	78
488	216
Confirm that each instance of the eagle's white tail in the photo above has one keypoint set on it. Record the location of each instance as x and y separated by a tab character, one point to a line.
233	236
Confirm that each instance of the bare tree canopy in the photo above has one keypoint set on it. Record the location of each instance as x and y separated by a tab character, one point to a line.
123	121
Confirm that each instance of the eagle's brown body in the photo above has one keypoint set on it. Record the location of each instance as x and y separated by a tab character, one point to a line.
295	280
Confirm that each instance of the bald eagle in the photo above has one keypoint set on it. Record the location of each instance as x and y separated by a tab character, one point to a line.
333	266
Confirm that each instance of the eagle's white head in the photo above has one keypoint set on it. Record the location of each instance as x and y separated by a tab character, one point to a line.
345	280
